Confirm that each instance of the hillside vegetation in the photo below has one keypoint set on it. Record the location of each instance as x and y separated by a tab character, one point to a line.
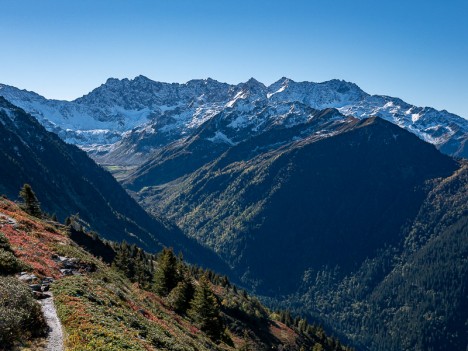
122	298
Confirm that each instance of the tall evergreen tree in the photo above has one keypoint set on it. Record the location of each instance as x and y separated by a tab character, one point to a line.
31	203
205	310
180	297
143	273
122	258
166	275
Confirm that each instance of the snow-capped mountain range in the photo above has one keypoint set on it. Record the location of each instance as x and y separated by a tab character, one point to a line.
121	113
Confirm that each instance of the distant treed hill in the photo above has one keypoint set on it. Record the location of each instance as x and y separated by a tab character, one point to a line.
187	155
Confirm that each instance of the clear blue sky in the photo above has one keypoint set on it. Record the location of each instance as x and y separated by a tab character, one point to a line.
416	50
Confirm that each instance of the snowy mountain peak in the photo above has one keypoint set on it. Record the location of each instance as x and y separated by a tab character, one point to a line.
172	110
252	90
252	82
142	78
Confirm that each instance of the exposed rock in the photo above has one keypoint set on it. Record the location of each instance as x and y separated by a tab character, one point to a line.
27	277
66	271
35	287
39	295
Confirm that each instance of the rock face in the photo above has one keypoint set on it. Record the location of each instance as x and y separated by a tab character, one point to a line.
39	287
122	120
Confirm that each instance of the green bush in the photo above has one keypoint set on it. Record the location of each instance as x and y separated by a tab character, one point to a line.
4	243
20	315
9	264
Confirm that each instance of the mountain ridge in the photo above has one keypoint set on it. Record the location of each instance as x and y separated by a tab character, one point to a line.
100	121
352	219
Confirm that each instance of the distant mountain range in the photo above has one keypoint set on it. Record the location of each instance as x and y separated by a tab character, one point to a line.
123	120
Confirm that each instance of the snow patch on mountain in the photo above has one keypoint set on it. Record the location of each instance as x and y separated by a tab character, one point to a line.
220	137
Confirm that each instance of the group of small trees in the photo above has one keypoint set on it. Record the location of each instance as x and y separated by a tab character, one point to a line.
135	263
169	277
172	280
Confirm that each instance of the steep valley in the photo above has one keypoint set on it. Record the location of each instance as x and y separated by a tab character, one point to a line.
329	225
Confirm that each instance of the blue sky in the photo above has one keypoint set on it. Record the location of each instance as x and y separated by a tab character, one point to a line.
415	50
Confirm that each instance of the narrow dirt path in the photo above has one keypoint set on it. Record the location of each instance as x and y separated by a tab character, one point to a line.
55	337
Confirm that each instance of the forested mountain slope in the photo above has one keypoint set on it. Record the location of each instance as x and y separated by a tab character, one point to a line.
364	230
68	182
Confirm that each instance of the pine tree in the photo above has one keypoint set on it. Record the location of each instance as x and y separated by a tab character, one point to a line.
31	203
166	275
180	297
122	259
142	269
205	310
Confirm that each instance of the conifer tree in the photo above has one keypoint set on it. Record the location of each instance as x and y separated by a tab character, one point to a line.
31	203
122	258
180	297
205	310
166	275
142	269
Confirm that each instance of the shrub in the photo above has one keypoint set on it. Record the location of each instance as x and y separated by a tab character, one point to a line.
20	315
9	264
4	243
